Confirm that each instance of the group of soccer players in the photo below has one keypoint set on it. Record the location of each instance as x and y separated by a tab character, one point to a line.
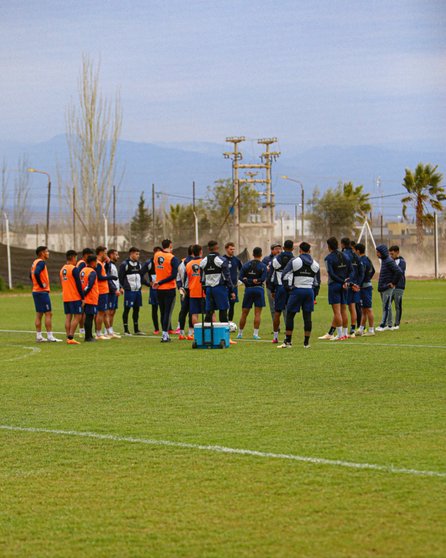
92	286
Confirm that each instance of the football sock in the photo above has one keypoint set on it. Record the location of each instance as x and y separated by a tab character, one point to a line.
361	328
276	335
256	332
371	329
288	339
240	332
339	330
345	331
331	330
306	340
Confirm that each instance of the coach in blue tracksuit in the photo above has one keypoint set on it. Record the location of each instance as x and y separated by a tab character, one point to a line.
398	293
234	266
389	276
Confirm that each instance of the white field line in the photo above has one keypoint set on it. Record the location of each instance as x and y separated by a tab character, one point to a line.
351	343
233	451
33	351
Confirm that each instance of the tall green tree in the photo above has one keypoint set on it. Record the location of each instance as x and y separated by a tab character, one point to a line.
424	193
140	225
338	210
220	203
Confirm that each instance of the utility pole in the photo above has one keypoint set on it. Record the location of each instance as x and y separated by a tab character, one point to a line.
435	245
153	213
236	156
74	216
8	250
266	157
195	213
115	237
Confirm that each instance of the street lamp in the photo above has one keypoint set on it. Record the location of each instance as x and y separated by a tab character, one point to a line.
302	199
48	202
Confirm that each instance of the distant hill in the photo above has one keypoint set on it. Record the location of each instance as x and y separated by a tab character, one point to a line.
173	166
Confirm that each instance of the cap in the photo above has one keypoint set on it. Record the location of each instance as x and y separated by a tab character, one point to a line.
276	245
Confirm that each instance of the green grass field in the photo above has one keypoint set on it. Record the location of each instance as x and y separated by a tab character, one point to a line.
374	401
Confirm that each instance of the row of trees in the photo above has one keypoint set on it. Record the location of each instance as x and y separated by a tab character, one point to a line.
338	211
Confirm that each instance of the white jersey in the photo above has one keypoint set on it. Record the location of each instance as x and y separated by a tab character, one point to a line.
114	271
302	274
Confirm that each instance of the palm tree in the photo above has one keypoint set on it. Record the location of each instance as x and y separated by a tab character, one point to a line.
424	190
360	199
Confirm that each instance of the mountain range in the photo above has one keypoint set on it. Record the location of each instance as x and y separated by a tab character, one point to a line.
173	166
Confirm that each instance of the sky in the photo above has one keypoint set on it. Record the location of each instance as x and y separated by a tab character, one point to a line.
325	72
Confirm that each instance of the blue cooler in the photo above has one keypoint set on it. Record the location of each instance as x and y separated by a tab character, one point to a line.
211	337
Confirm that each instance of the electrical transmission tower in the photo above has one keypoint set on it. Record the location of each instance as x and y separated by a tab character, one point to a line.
267	158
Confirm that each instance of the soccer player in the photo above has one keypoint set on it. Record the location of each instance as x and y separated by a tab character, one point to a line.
279	292
166	270
196	292
41	295
130	281
103	279
90	291
355	280
216	280
366	293
71	295
183	286
80	265
149	268
389	276
234	266
276	248
299	275
253	275
400	286
114	291
339	270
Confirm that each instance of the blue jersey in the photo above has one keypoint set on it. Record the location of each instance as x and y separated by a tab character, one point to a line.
338	267
357	274
252	271
234	266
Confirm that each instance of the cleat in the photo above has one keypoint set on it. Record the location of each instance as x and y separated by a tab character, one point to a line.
307	346
102	338
54	340
91	340
182	337
156	332
256	337
41	340
166	340
190	337
327	336
284	345
138	332
231	342
395	328
352	335
275	341
174	331
72	342
239	336
114	335
382	328
341	338
369	334
127	334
